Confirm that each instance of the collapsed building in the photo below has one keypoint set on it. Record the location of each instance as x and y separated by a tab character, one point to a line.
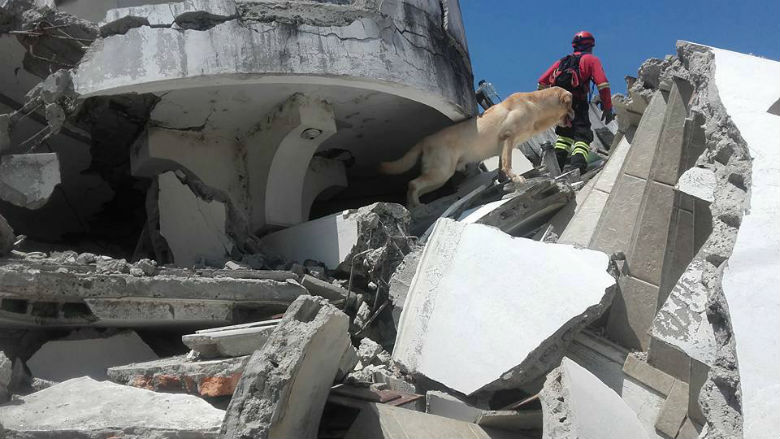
194	241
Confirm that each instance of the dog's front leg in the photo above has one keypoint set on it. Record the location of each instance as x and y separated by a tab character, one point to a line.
505	163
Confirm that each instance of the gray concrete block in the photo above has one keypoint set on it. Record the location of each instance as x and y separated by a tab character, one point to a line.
651	231
582	226
230	341
448	406
576	404
674	411
679	252
324	289
645	142
632	312
28	180
383	421
609	174
648	375
702	223
668	162
285	384
85	408
614	230
698	377
60	360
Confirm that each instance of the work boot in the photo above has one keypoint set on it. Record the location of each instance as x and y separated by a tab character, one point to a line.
561	155
578	161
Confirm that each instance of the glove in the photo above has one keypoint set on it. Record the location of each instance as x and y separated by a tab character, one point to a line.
607	116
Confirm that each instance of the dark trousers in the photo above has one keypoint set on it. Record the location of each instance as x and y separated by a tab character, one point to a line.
580	126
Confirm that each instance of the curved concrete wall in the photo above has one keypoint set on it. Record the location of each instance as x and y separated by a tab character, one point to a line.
413	49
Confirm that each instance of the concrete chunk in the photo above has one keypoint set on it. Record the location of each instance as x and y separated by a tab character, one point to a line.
230	341
178	374
699	183
471	288
324	289
576	404
28	180
60	360
389	422
85	408
285	384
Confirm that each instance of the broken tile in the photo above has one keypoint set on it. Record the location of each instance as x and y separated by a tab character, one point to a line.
60	360
85	408
469	288
285	384
575	404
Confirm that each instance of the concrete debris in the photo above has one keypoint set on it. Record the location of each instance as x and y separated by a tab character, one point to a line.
28	180
42	290
167	171
7	237
6	373
285	384
576	404
230	341
210	378
389	422
61	360
85	408
441	307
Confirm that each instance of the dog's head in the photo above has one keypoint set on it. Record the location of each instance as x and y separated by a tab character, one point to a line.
567	111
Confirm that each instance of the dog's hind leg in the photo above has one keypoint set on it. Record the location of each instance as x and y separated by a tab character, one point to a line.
437	168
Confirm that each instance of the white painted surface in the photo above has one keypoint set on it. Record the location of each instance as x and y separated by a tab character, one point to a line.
598	412
60	360
748	86
698	182
328	239
475	310
193	228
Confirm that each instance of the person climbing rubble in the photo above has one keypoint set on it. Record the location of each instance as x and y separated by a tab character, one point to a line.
574	72
486	95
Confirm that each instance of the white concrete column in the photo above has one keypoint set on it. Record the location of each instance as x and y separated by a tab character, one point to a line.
326	177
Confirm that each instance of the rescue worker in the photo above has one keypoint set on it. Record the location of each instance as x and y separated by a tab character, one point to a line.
486	95
574	72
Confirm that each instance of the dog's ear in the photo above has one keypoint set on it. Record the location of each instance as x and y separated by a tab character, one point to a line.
566	99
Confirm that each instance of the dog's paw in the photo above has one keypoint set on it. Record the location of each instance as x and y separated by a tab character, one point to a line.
518	179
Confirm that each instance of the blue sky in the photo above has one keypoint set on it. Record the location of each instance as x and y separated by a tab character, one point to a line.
513	41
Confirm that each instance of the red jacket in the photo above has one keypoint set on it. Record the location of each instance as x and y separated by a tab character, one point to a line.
590	70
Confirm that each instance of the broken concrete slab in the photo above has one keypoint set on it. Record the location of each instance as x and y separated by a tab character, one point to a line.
181	375
230	341
698	182
6	373
401	280
285	384
63	359
319	287
531	205
675	410
443	404
45	291
576	404
85	408
460	259
7	237
28	180
389	422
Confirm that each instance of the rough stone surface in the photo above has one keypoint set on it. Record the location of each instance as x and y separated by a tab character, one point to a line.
6	373
285	384
85	408
7	237
28	180
60	360
441	306
179	374
576	404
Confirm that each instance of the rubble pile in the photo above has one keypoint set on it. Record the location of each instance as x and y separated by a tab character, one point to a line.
194	241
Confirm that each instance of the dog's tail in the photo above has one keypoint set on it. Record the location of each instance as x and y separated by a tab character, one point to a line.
403	164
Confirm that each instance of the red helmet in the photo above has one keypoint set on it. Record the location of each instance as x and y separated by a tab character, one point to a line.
583	40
